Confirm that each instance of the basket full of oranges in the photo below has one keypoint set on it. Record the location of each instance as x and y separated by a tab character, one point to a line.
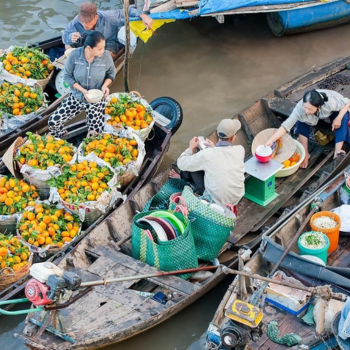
129	111
41	157
15	260
46	229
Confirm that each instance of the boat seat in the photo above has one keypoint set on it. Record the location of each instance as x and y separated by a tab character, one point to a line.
282	107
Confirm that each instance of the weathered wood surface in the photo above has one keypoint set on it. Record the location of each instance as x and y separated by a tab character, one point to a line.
316	75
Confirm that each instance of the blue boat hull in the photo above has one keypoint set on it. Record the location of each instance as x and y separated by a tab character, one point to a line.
307	19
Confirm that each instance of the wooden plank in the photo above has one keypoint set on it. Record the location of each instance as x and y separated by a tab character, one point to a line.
252	216
282	106
110	312
341	259
168	6
83	308
150	307
101	266
312	77
123	296
121	271
171	282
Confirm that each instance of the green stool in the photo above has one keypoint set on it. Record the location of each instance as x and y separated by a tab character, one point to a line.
260	186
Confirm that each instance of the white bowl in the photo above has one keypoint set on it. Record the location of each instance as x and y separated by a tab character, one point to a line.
94	95
69	51
292	169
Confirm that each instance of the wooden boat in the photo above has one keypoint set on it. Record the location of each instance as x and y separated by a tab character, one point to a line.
301	269
55	49
156	149
117	312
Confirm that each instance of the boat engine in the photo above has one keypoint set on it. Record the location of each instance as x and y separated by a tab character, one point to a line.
243	327
49	283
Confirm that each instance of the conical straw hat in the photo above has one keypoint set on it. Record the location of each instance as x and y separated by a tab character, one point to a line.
283	153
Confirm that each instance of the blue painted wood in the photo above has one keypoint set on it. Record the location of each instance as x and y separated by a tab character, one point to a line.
309	18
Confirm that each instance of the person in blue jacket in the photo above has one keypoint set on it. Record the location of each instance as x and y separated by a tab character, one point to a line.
105	22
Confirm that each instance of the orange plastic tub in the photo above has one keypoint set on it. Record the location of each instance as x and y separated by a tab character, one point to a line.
332	233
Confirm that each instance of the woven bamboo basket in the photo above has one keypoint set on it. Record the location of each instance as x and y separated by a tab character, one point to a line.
13	276
43	82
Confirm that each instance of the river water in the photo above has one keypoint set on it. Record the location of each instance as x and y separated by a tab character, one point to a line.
214	70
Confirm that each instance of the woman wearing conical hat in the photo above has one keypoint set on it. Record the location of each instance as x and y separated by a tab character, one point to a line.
318	106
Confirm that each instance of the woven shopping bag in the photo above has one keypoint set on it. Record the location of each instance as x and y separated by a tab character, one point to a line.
210	228
176	254
161	199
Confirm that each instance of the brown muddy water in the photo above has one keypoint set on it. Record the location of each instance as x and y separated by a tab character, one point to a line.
214	71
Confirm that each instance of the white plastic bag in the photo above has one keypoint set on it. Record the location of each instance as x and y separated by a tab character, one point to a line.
344	213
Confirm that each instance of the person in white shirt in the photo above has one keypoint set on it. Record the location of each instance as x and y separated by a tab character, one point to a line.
222	164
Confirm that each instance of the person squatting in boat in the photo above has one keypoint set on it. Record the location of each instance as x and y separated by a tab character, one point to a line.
88	67
217	170
106	22
318	106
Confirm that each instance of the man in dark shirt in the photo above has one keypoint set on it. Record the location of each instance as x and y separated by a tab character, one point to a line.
105	22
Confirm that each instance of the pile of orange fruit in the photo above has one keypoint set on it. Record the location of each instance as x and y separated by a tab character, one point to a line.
15	195
13	254
294	159
47	225
26	62
114	150
40	152
19	99
82	182
124	111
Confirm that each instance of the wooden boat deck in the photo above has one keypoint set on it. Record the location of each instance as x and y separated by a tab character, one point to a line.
287	323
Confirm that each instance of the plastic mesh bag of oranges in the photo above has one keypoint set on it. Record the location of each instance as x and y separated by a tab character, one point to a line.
123	151
86	187
26	63
46	226
14	255
41	157
293	160
15	196
129	111
20	102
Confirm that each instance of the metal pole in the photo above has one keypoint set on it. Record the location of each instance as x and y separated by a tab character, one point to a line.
159	274
127	46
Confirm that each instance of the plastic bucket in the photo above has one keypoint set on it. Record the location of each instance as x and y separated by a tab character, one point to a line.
331	233
320	253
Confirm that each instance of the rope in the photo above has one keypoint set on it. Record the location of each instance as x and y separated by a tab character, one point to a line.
289	339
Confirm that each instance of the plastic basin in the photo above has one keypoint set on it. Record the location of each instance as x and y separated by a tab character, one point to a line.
292	169
331	233
321	253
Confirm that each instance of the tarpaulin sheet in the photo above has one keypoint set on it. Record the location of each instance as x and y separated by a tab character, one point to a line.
175	14
210	6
